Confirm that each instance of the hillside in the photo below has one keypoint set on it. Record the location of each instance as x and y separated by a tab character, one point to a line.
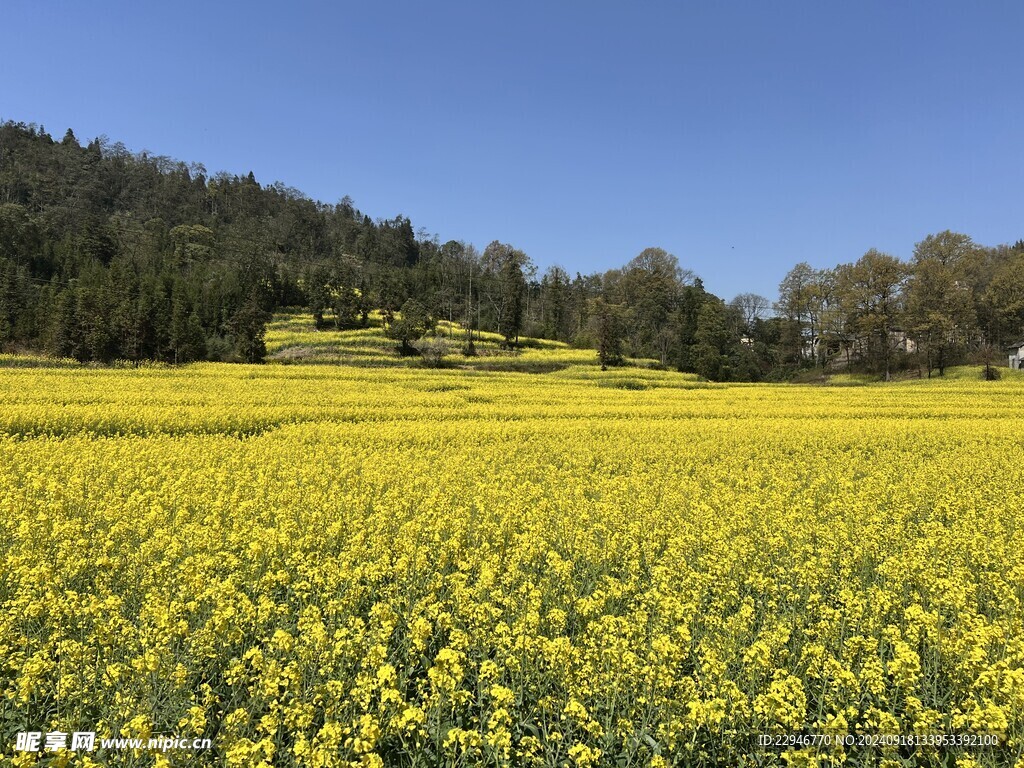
292	338
107	255
111	255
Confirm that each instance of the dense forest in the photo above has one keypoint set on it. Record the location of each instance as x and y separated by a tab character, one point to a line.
111	255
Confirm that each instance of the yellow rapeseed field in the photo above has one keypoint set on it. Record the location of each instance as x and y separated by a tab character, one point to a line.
331	566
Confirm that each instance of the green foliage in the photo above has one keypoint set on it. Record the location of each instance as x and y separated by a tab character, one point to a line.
504	271
107	255
608	325
874	290
412	323
248	328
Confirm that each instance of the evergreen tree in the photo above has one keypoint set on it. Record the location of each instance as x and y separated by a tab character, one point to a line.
247	327
608	326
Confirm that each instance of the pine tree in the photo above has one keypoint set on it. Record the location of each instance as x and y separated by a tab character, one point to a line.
248	328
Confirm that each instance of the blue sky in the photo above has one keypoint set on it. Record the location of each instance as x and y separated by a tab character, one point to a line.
742	137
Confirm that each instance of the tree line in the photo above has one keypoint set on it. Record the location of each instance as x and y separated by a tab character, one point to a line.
107	254
954	302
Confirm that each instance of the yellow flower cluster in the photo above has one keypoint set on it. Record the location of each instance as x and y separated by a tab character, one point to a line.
342	567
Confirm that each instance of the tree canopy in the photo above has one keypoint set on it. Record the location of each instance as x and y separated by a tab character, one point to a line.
106	254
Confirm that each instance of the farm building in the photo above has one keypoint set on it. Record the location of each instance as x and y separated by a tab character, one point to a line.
1017	355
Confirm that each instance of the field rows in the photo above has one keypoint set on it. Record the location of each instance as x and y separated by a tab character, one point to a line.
328	566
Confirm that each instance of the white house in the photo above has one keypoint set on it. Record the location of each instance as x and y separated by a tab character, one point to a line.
899	339
1017	356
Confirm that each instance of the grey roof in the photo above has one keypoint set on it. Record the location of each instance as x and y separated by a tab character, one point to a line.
1017	344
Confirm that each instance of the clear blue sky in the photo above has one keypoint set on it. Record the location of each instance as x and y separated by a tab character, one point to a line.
742	137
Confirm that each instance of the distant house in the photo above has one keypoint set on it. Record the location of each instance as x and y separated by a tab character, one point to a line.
899	339
1017	355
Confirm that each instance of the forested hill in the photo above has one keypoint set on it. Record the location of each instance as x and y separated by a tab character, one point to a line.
106	254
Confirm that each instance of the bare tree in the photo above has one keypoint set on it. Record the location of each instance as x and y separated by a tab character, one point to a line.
752	307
